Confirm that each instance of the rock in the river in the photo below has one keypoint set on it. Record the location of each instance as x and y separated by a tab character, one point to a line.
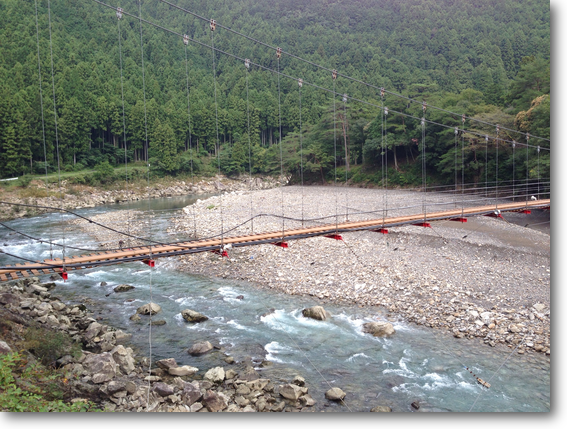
167	363
182	371
381	409
200	348
146	309
335	394
103	283
317	312
123	288
291	391
158	322
378	329
193	316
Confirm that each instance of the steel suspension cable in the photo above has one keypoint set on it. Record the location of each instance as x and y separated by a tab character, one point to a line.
300	84
281	148
345	131
42	114
247	65
186	42
149	195
119	16
383	154
514	171
463	168
56	128
423	165
335	149
212	26
497	146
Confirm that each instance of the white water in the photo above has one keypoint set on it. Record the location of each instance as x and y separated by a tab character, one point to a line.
415	364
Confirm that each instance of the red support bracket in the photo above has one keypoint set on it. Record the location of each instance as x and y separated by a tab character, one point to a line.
224	253
423	224
459	219
149	262
381	230
281	244
64	275
494	215
525	211
546	208
334	236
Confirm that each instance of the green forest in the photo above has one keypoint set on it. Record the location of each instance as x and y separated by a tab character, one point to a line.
487	59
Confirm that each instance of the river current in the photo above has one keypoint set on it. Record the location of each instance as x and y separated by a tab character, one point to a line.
415	364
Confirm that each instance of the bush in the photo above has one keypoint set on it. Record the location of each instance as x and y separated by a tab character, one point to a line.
21	388
49	345
24	180
104	173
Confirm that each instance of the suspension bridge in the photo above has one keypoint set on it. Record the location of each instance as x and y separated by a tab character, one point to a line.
519	195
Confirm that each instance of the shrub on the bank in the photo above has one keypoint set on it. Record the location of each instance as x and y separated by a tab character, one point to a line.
49	345
22	388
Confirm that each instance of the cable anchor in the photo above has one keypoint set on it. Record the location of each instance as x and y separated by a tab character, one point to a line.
213	25
497	129
345	98
463	118
456	130
247	63
486	139
528	137
386	111
538	149
300	82
119	12
382	92
185	39
422	122
279	52
514	144
424	106
334	73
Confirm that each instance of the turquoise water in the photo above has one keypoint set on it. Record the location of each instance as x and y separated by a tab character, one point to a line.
414	364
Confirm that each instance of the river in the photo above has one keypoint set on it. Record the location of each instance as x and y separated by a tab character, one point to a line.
416	364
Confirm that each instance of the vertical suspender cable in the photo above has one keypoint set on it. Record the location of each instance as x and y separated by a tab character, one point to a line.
247	64
43	118
538	178
486	166
345	131
497	146
146	148
423	165
56	130
527	167
300	84
335	148
383	154
119	16
217	143
514	170
186	42
463	169
456	150
386	156
281	149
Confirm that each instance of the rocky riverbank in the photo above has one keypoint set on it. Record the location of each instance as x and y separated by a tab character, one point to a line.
81	196
487	279
109	373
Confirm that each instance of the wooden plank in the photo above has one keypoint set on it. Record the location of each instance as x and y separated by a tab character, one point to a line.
35	272
3	277
14	275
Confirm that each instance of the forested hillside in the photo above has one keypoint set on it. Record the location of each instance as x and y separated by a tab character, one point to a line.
482	58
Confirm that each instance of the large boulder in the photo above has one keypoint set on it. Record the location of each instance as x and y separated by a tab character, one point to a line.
379	329
200	348
215	375
163	389
317	313
123	288
124	357
214	401
146	309
102	367
167	363
193	316
291	391
335	394
191	394
182	371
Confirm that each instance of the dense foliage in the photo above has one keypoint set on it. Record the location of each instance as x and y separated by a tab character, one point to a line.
483	58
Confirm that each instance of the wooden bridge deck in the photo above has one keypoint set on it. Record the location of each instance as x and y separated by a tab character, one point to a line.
53	266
